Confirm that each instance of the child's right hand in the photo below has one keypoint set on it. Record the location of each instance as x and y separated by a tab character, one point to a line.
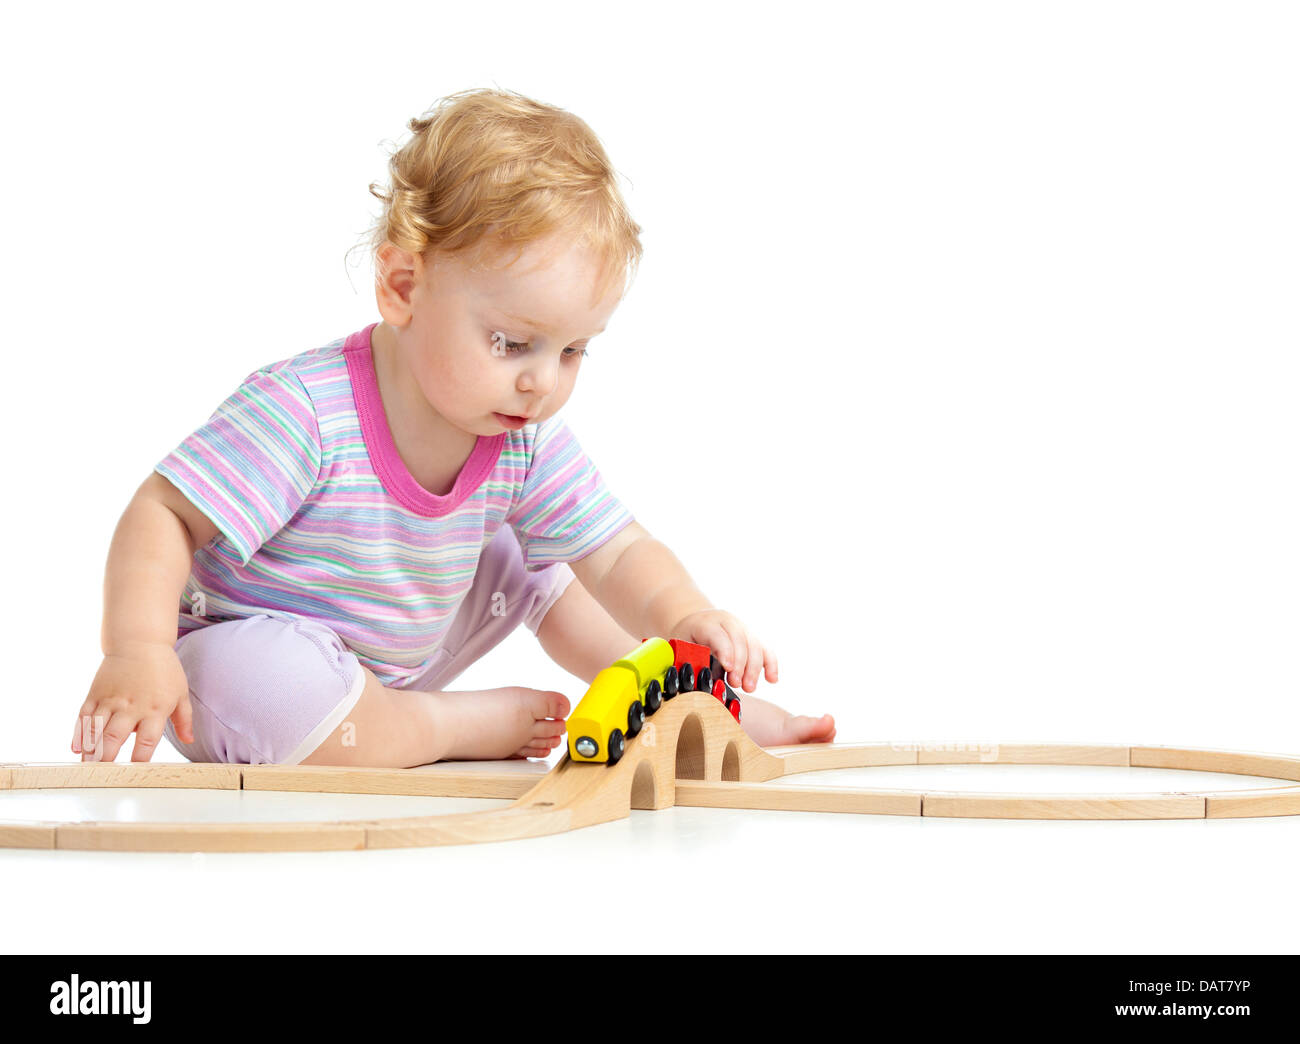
135	689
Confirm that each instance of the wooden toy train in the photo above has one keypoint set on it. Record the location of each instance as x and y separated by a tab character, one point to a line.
623	695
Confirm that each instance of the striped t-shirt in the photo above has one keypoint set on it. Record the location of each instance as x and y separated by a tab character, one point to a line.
320	518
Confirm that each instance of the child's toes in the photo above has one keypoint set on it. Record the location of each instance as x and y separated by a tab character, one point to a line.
813	730
546	729
559	706
550	705
540	746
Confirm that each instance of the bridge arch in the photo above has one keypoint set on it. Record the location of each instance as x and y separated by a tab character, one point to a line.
691	757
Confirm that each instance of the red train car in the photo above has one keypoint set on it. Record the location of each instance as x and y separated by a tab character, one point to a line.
696	669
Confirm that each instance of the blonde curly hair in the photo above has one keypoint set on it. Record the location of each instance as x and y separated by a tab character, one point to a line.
487	170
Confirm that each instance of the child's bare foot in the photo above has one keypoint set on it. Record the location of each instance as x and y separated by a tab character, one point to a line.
770	726
502	723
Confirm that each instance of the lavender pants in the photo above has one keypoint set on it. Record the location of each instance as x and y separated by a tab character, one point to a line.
269	690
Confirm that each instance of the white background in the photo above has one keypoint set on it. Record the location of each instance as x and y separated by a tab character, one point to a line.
978	320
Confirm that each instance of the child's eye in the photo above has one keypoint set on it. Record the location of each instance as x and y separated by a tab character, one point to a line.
503	346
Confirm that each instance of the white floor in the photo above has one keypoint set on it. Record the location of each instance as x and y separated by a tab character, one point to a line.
687	879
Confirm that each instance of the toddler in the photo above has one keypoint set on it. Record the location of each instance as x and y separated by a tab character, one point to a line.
358	523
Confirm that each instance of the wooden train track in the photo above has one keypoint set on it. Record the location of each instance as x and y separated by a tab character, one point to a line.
691	752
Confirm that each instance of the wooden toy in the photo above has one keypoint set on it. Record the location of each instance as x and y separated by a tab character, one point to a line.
622	694
694	664
692	753
636	686
722	691
648	662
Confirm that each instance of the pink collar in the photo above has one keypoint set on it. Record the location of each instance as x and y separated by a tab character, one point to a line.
384	457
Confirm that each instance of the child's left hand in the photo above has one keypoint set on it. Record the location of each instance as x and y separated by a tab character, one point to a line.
742	654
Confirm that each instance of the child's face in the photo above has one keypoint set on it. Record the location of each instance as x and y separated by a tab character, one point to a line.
541	303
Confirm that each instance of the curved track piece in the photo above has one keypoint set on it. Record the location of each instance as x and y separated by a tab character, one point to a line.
692	752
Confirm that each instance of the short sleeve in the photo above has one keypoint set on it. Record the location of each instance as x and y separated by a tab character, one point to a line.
565	511
251	466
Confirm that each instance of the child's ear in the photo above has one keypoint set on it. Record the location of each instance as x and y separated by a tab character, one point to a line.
397	273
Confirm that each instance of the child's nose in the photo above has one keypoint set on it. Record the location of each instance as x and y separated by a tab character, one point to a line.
539	376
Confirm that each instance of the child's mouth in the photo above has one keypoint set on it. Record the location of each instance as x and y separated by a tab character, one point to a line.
514	423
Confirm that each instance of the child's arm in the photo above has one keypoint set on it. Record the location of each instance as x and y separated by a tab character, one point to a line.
647	590
148	564
141	682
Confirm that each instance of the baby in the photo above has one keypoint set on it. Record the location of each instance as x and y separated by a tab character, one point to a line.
358	523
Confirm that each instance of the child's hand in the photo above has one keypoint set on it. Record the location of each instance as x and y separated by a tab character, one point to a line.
740	651
135	690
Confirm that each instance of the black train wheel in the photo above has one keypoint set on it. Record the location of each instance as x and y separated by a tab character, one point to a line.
635	718
614	750
686	678
704	683
671	683
653	697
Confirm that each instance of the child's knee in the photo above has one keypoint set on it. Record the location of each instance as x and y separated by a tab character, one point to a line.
505	594
265	689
